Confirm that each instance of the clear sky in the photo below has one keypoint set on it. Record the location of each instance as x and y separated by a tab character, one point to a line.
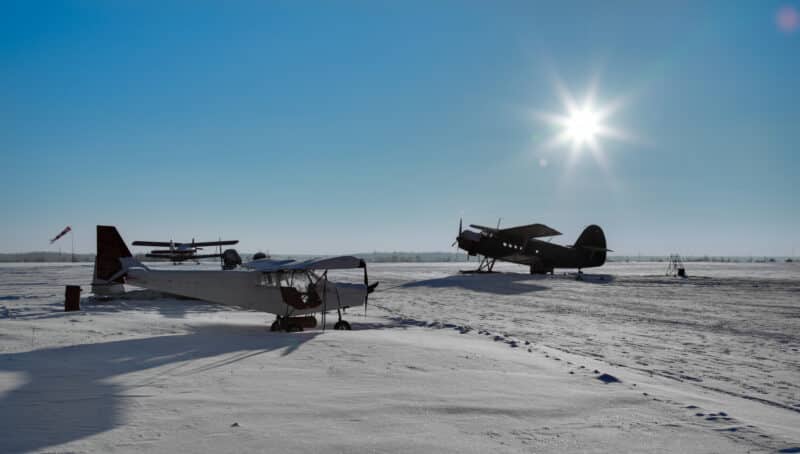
335	127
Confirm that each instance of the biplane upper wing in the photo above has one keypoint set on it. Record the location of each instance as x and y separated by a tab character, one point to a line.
176	244
154	243
326	263
520	234
213	243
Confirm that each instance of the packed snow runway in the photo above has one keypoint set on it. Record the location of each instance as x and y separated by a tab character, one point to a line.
443	362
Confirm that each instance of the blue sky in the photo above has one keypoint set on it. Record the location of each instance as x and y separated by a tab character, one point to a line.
333	127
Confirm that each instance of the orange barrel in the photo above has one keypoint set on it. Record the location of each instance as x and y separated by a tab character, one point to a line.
72	302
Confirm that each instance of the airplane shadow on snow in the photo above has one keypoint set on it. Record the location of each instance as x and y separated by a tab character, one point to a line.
505	283
168	306
69	392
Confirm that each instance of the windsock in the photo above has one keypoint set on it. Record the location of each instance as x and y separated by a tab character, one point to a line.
66	230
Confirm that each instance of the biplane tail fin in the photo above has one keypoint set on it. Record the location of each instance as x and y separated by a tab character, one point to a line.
594	240
592	237
111	253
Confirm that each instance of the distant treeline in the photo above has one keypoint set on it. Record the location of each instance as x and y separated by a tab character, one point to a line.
413	257
388	257
704	258
45	257
374	257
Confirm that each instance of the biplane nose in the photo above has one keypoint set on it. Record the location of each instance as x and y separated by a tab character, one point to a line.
468	240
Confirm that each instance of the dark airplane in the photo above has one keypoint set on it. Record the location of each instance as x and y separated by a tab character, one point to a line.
520	245
179	252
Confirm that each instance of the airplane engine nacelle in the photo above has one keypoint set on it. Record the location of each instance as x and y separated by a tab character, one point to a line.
230	259
468	241
471	236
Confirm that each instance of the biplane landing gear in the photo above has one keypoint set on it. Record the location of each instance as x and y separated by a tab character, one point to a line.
485	266
341	324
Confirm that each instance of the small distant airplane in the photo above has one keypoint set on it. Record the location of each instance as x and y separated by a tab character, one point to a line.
180	252
520	245
290	289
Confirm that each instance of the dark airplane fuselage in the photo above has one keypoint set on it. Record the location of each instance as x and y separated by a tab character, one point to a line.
541	256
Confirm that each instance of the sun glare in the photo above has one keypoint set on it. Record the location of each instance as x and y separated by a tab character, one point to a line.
582	125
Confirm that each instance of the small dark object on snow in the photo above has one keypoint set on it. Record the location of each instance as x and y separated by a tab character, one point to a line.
675	267
72	300
606	378
236	424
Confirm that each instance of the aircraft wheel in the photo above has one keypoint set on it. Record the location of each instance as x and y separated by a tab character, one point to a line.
342	325
276	326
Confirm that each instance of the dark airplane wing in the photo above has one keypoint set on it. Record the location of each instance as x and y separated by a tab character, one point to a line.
154	243
180	257
522	233
167	243
214	243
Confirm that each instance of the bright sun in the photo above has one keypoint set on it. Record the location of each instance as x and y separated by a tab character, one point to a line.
582	125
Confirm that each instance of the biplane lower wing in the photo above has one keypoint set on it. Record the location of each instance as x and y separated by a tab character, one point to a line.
181	257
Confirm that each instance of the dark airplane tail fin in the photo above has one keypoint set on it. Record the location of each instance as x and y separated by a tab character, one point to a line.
110	248
592	236
594	240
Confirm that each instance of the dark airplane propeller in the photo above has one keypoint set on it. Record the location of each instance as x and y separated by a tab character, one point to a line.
366	297
460	223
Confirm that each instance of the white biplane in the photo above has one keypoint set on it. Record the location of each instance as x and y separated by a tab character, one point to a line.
292	290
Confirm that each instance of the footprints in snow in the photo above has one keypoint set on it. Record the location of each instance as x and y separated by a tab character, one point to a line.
514	343
719	421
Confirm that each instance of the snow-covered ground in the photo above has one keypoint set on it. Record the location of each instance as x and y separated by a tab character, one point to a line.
443	362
